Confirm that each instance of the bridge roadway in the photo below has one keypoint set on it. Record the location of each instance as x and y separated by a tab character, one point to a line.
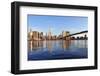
78	34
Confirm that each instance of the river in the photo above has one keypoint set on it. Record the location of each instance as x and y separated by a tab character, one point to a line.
57	49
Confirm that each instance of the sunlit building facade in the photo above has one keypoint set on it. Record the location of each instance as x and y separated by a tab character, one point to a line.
65	35
35	35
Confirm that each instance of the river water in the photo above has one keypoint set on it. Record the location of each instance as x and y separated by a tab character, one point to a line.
57	49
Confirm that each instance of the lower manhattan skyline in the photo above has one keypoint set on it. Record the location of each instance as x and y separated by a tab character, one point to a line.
57	24
57	37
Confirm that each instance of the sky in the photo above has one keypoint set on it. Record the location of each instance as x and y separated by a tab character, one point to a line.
57	24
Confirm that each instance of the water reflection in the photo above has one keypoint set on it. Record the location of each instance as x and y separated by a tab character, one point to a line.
53	44
57	49
79	43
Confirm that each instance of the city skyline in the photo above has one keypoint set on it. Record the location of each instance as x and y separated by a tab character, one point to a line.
57	24
57	37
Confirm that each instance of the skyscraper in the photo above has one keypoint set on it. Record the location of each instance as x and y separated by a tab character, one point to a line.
49	34
30	34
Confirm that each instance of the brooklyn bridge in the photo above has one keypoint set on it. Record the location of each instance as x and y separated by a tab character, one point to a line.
77	36
34	35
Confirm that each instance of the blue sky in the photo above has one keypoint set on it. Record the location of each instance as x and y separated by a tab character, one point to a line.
57	24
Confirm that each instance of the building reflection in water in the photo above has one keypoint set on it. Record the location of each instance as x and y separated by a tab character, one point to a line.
34	45
65	44
79	43
51	45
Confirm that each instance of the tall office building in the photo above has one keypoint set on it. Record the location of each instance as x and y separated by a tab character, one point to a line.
49	34
30	34
41	35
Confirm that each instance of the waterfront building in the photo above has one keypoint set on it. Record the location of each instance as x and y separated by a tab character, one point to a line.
65	35
49	34
60	36
30	34
54	37
35	35
41	36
